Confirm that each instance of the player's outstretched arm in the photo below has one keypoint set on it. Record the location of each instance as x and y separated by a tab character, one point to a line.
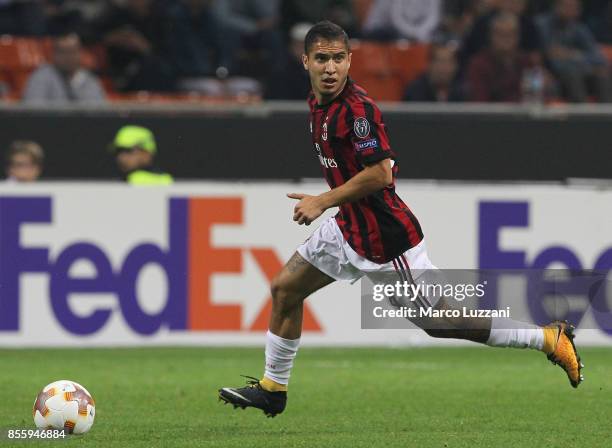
371	179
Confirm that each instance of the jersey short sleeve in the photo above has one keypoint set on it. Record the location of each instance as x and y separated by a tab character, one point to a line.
368	133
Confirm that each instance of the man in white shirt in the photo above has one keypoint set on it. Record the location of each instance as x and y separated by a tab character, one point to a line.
404	19
64	81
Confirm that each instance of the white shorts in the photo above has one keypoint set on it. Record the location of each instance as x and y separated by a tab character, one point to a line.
328	251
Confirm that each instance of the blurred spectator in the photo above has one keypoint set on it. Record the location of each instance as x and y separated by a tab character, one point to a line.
42	17
24	161
340	12
291	81
594	8
249	17
601	25
457	19
22	17
132	34
478	37
539	7
403	19
205	51
573	53
485	6
135	148
64	81
255	26
439	83
495	74
62	16
196	43
87	9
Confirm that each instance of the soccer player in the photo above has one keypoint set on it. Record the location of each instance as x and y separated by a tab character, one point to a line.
374	231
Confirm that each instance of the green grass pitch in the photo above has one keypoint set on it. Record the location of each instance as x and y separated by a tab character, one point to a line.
413	397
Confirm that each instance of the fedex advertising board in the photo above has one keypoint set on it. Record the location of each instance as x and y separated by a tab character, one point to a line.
107	264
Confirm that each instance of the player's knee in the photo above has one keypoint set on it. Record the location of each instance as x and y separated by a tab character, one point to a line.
282	297
277	289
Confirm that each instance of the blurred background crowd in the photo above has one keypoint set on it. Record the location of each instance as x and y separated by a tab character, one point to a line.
61	51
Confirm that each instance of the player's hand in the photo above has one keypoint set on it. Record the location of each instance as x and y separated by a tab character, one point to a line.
308	209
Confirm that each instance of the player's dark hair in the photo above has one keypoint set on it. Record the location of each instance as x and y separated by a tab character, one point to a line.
327	31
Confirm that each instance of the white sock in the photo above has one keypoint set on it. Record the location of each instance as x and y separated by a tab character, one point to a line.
280	354
511	333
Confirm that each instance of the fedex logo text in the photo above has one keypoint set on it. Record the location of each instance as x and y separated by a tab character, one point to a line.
584	281
189	262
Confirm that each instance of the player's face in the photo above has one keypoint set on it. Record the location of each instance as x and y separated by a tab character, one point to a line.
328	64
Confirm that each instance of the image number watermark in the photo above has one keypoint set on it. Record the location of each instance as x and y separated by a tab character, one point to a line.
13	435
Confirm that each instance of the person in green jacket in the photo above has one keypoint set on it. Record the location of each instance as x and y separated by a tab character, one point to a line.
135	148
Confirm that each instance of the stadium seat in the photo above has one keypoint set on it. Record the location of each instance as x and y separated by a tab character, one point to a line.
18	58
20	53
385	69
370	68
408	60
370	58
9	53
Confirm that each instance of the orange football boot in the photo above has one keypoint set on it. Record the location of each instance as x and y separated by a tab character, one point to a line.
560	350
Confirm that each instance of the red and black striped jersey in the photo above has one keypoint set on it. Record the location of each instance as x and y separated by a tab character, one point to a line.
348	134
